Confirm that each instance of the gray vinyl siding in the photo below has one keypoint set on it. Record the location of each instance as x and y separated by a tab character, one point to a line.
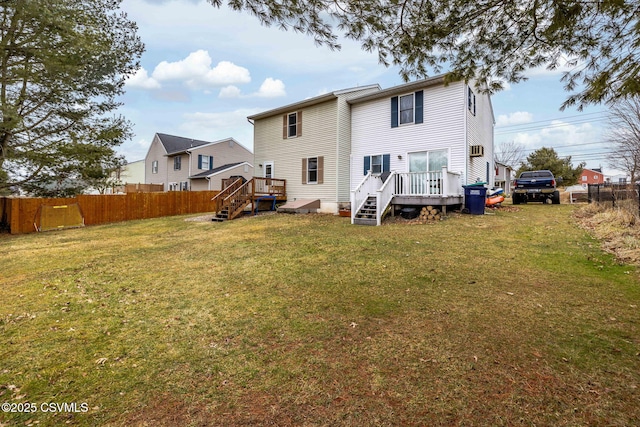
156	153
442	128
224	152
215	182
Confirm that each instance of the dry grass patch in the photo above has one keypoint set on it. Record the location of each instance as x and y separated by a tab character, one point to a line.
617	229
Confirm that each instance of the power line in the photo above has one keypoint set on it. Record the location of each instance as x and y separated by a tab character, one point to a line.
549	120
552	126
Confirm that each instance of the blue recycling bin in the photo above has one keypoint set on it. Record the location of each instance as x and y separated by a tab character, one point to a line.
475	198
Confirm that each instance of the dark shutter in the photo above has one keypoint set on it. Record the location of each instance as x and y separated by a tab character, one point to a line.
386	163
210	162
304	171
394	112
199	161
320	169
419	97
367	164
284	126
299	123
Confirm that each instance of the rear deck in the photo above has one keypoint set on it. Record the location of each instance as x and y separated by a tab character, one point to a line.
376	193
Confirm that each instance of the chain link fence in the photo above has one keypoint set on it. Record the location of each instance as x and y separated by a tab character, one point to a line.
618	196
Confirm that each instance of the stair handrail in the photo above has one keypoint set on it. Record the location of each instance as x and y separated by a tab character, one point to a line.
218	199
384	195
240	190
359	195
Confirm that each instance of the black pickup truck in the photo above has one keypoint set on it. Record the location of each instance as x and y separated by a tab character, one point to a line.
535	186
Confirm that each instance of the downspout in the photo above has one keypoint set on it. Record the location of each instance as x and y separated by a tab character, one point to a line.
466	134
252	123
189	177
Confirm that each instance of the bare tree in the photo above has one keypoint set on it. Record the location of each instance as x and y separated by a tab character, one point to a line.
510	153
624	136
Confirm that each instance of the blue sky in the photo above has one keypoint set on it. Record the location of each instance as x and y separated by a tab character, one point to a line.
206	69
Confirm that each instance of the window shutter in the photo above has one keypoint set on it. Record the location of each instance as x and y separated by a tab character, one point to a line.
419	97
284	127
299	123
304	171
320	169
367	164
210	162
386	163
394	112
199	161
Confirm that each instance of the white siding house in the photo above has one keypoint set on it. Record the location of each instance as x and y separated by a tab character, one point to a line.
430	136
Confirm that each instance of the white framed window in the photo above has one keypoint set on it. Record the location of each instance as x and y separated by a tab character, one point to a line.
184	186
154	166
406	109
173	186
177	163
292	125
376	164
312	170
205	163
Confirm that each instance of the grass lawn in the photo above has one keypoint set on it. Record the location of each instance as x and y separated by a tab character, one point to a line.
512	318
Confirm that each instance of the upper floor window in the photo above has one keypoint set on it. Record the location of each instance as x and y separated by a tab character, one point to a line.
407	109
205	162
177	163
154	166
471	101
292	125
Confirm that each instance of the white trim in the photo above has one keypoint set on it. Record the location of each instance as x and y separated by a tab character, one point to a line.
264	168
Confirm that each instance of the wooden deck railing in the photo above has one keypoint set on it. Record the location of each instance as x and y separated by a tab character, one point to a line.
238	195
218	200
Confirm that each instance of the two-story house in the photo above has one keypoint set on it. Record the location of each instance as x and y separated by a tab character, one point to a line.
418	144
308	143
182	164
412	144
591	176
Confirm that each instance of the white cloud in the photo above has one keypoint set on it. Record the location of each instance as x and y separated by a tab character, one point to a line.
196	71
142	80
517	118
271	88
229	92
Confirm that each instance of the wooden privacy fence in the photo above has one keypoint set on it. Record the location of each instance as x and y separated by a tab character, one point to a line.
18	214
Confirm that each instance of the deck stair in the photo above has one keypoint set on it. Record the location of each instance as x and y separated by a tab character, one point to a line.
367	213
237	195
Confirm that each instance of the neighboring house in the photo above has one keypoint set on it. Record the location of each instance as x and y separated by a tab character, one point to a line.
431	138
187	164
504	176
308	144
131	173
591	176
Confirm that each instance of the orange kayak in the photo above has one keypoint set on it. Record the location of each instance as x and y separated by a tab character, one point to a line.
494	200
